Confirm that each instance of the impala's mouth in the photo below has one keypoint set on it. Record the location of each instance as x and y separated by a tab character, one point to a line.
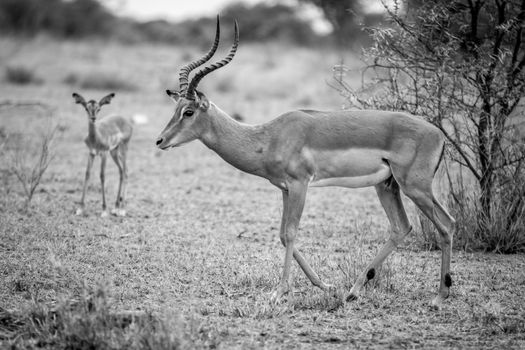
166	147
165	144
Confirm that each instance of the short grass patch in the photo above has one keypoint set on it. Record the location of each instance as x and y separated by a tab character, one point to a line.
88	322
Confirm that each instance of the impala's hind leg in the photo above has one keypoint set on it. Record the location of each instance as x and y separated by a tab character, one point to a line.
119	156
415	177
390	198
103	158
423	197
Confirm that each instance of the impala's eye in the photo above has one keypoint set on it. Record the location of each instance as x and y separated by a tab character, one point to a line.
187	113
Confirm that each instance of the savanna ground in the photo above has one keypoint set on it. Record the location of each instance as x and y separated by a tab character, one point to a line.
199	248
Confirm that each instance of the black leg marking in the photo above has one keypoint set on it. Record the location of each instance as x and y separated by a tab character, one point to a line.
448	280
370	274
351	297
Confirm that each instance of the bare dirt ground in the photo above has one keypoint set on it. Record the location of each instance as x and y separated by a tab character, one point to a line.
200	242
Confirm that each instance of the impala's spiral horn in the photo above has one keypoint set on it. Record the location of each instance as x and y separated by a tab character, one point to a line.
190	94
185	71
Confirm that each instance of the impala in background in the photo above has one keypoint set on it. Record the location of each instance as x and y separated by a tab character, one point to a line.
389	150
110	134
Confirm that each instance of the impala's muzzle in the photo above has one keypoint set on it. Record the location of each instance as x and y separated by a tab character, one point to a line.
162	144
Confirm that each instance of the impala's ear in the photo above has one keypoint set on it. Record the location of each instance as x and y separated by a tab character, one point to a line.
106	99
174	95
204	103
79	99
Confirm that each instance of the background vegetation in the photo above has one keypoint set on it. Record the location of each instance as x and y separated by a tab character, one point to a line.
89	18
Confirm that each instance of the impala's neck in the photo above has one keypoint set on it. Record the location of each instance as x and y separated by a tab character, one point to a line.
93	134
239	144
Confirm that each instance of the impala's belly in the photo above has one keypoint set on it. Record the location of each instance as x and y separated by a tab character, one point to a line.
114	140
355	181
357	167
108	143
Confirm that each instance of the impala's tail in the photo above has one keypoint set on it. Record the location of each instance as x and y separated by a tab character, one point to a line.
440	158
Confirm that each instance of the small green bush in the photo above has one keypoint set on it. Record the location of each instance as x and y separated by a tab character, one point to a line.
21	75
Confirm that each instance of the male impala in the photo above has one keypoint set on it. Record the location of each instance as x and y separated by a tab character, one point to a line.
303	148
110	134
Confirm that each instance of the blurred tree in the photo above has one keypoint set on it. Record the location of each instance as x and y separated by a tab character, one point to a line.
24	16
82	18
264	22
344	16
74	18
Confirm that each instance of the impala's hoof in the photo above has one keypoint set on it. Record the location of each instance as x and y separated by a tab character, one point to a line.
118	212
79	211
437	302
104	214
278	293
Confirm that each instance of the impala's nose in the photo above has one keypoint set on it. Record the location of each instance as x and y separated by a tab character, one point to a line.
159	140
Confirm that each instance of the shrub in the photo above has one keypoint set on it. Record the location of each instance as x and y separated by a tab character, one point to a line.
21	75
99	81
29	166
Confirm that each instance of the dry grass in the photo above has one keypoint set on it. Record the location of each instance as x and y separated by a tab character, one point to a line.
201	243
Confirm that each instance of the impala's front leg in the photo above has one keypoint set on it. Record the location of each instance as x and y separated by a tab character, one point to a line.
103	158
308	271
91	156
119	156
291	218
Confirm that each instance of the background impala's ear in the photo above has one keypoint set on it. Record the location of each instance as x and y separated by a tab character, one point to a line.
204	103
174	95
106	99
79	99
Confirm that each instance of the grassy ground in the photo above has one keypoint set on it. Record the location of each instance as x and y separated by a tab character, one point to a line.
196	258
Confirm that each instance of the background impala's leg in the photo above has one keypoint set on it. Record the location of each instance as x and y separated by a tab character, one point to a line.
114	155
103	158
123	154
308	271
80	210
291	217
118	155
390	198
